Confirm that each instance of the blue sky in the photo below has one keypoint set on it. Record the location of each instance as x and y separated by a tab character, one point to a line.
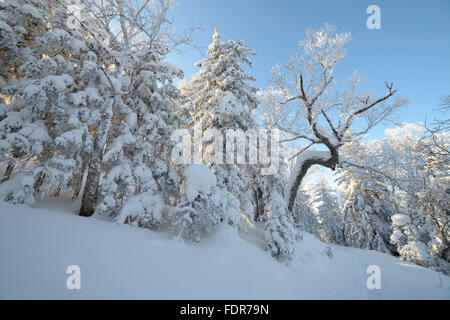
412	49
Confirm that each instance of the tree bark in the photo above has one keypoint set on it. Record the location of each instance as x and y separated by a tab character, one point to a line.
58	191
259	213
9	170
79	184
38	182
90	193
331	163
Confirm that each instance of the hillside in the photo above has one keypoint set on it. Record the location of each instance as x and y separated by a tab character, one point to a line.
119	261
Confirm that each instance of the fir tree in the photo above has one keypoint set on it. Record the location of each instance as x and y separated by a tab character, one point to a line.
220	97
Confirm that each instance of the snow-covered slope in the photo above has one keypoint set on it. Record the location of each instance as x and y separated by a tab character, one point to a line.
119	261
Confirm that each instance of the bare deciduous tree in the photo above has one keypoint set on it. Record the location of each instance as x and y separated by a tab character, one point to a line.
308	104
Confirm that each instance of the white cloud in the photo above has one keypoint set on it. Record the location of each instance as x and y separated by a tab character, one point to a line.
405	129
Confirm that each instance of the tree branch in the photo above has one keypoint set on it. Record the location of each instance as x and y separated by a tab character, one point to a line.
366	107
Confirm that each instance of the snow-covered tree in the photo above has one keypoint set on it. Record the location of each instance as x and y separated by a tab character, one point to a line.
137	159
18	190
132	147
404	236
21	24
325	201
305	218
40	122
414	172
87	101
220	98
366	214
205	206
280	232
222	75
308	92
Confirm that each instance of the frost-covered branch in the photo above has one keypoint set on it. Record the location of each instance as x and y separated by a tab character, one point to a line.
308	91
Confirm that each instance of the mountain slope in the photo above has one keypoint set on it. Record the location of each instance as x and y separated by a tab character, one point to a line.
119	261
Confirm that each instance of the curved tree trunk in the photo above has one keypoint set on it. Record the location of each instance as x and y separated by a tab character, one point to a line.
331	163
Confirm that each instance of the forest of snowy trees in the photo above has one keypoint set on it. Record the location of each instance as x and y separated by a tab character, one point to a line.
89	103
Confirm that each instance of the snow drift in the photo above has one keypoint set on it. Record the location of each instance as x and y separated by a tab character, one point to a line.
120	261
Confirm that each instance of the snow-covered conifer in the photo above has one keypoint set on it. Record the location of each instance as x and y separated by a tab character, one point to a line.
205	205
221	97
366	215
325	201
40	121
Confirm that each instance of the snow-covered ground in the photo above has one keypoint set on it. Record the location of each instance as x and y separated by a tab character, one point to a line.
119	261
